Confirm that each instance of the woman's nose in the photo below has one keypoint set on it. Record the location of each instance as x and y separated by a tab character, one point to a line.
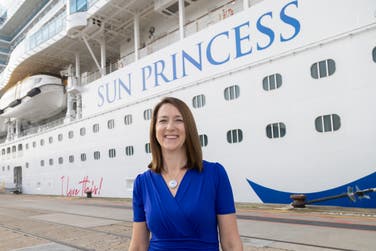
170	124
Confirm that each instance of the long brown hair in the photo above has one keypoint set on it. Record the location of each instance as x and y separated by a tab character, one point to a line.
192	141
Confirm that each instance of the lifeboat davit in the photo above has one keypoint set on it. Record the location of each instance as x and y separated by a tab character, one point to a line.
33	99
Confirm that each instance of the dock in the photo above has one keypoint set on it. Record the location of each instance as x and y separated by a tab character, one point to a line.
56	223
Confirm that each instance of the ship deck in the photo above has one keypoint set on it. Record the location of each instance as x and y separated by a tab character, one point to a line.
30	222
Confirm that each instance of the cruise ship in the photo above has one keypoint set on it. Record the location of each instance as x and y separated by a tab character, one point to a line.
282	92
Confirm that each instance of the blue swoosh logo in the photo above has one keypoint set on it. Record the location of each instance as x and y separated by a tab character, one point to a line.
269	195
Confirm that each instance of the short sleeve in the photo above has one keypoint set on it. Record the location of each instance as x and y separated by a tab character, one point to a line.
138	202
224	196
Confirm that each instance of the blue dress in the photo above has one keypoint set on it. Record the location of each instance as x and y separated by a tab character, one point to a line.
187	221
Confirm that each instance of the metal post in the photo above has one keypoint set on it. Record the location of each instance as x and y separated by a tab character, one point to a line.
136	28
79	106
78	69
69	107
103	56
18	127
92	54
245	4
181	19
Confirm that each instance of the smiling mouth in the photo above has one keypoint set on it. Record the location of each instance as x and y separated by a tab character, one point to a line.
171	136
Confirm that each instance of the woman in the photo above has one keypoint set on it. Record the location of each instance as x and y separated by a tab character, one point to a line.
181	199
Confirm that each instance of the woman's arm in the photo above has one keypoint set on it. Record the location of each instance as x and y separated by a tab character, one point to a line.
140	237
228	233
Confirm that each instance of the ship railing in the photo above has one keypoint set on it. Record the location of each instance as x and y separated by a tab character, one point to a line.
156	43
43	127
3	138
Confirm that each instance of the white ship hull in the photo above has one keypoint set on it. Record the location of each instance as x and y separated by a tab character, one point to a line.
281	37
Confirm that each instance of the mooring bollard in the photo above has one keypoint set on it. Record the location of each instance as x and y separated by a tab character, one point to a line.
298	200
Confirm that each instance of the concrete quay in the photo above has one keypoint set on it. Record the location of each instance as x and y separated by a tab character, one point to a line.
53	223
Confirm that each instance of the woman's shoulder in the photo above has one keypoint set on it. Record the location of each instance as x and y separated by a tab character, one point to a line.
143	176
214	171
212	166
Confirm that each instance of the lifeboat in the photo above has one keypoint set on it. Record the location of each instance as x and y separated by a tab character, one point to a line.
33	99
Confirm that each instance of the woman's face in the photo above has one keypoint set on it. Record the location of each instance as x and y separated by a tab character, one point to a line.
170	129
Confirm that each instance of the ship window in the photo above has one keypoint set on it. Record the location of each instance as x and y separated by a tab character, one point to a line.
328	123
78	6
323	69
70	134
276	130
42	142
96	128
44	33
111	124
8	168
14	149
199	101
232	92
60	160
50	140
34	144
60	137
42	162
3	151
203	140
272	82
82	131
51	161
97	155
112	153
3	168
19	147
83	156
129	150
27	146
27	164
8	150
147	148
71	158
234	136
128	119
374	54
52	28
147	114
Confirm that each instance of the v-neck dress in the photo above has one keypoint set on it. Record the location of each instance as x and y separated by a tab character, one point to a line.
187	221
